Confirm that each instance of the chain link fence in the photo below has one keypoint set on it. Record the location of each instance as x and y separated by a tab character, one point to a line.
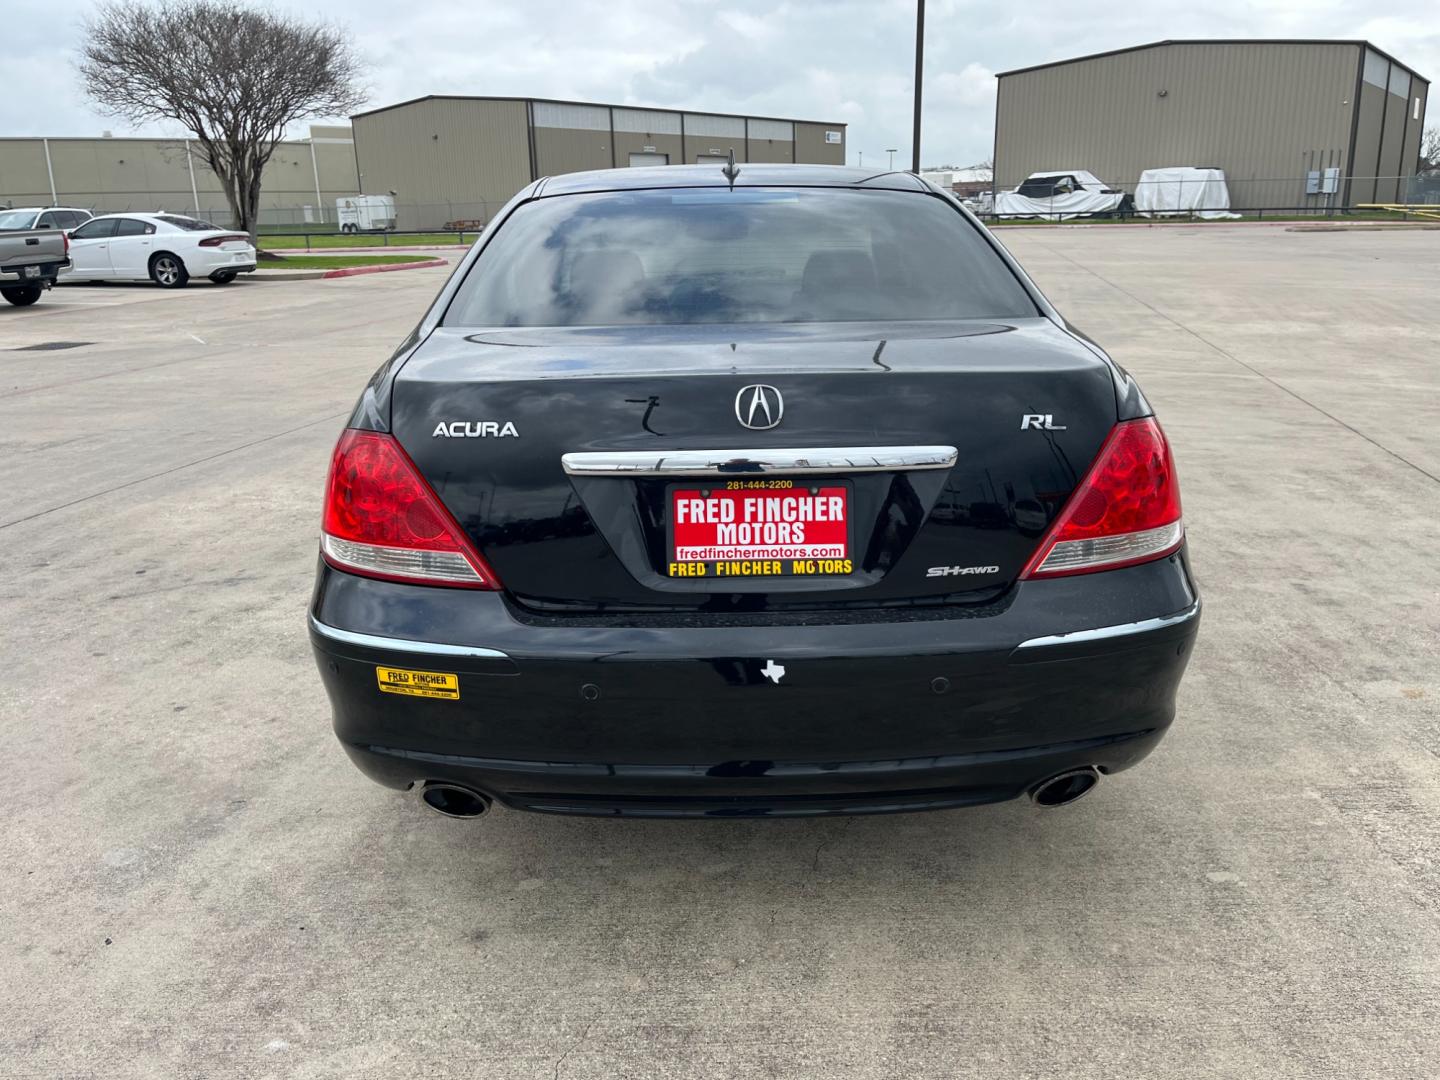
1262	198
1318	194
277	213
409	217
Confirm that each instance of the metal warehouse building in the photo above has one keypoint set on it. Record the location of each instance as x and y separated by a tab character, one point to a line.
1275	115
302	179
460	158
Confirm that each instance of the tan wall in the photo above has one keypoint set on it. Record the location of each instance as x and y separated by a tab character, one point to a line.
562	150
452	158
811	147
149	174
1414	129
1255	110
718	145
566	150
445	159
336	162
769	151
1367	144
22	173
1392	148
635	142
1387	140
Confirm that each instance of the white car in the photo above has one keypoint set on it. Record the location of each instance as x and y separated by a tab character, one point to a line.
43	217
168	249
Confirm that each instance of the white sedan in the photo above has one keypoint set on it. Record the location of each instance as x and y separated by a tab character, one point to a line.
168	249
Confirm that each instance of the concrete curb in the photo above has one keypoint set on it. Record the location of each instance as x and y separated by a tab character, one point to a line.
351	271
1399	226
378	249
342	272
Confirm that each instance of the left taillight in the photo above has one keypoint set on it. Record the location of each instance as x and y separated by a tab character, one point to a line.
1125	511
228	238
383	520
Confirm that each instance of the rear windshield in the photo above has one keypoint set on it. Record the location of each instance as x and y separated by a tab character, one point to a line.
189	224
766	255
16	219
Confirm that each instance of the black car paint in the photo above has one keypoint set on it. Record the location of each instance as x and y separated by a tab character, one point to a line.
597	543
901	692
639	715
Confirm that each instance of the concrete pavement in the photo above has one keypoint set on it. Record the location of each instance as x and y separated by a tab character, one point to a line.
197	883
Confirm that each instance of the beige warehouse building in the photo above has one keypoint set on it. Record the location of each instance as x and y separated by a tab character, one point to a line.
301	182
444	159
460	158
1293	123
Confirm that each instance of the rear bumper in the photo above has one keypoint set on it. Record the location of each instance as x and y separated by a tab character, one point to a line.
770	789
630	719
203	262
50	270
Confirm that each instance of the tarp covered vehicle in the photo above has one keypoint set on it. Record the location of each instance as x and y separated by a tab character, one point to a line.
1060	194
1182	189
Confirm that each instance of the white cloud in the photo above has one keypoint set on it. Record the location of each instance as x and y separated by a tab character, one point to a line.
974	84
846	60
754	27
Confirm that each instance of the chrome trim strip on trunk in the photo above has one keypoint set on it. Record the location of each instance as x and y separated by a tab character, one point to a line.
797	461
429	648
1121	630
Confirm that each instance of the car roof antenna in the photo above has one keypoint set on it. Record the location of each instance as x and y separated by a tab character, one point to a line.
731	170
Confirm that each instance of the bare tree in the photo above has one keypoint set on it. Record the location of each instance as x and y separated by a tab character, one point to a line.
1430	150
235	76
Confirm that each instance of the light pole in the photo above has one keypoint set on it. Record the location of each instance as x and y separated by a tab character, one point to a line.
919	73
892	154
860	163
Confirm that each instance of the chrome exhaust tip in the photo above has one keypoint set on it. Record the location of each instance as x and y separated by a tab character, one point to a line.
454	801
1064	789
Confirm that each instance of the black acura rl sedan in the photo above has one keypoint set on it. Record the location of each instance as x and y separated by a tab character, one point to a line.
781	491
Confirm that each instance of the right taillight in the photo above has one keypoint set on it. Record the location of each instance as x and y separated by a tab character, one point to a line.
383	520
1125	511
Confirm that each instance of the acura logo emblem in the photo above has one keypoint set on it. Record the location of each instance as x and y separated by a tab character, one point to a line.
759	407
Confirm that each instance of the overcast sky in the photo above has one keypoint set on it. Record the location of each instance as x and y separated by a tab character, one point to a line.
830	60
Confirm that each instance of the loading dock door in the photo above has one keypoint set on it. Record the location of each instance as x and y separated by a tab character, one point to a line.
649	159
712	159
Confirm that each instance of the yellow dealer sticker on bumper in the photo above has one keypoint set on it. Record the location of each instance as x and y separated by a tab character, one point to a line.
431	684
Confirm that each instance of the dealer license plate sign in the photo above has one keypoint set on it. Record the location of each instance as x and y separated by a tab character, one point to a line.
759	528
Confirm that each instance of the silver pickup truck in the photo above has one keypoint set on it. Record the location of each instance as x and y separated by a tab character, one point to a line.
30	262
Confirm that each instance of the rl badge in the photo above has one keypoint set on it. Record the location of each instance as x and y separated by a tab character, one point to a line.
759	528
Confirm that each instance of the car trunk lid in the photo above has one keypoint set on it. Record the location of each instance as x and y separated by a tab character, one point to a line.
950	445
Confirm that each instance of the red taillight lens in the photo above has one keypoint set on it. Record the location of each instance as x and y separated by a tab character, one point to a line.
1125	511
229	238
382	519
